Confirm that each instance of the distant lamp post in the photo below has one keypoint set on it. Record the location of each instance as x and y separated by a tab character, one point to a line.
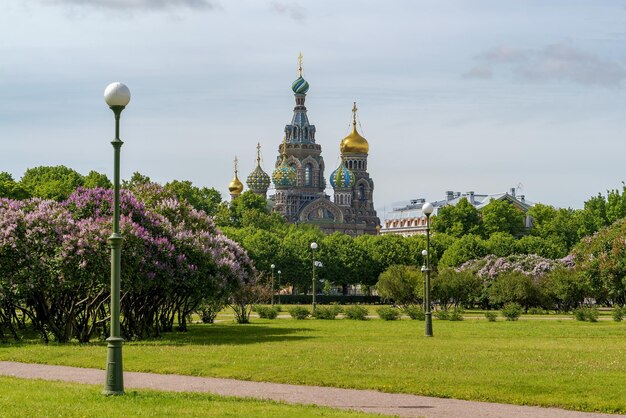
313	249
278	286
272	267
424	252
427	209
117	97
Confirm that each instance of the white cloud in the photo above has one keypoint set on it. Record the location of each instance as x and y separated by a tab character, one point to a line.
293	10
556	62
139	4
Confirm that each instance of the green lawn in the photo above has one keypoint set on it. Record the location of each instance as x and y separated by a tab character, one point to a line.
564	363
37	398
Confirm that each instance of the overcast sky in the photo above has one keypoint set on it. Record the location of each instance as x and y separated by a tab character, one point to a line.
452	95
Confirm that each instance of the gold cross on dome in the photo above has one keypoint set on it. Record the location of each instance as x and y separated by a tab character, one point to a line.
354	109
258	153
236	161
300	64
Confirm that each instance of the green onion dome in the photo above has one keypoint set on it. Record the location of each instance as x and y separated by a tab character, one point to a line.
342	177
284	176
300	86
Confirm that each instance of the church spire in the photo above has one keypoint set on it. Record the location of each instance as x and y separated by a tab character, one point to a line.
258	181
236	186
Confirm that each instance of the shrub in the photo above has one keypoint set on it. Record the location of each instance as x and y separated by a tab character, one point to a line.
267	312
387	313
327	312
442	314
456	314
415	312
278	308
491	316
402	284
618	314
299	312
586	314
209	310
356	312
511	311
537	311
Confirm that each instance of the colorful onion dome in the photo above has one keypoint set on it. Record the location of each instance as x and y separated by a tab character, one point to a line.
258	180
300	86
354	143
342	177
284	175
235	187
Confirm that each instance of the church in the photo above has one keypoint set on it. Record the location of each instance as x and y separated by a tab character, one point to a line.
299	182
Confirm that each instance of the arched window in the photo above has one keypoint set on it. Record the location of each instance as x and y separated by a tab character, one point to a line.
308	175
361	192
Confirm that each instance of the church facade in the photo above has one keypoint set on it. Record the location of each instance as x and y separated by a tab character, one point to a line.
299	182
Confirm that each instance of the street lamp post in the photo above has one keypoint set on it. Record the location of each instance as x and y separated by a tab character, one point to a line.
424	252
427	209
278	287
272	267
314	248
117	97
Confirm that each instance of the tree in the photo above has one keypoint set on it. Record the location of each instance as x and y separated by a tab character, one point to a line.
465	248
560	226
402	284
137	179
458	220
345	262
11	189
502	216
55	183
249	208
514	286
543	247
201	198
456	288
565	288
501	244
95	179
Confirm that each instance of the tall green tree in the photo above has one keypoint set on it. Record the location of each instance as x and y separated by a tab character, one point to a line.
201	198
94	179
402	284
457	220
55	183
502	216
11	189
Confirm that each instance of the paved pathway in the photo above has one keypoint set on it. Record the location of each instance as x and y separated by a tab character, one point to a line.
361	400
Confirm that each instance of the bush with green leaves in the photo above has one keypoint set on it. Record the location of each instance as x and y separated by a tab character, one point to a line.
209	309
299	312
266	312
537	311
402	284
491	316
327	312
442	314
415	312
511	311
456	314
388	313
278	308
586	313
356	312
618	313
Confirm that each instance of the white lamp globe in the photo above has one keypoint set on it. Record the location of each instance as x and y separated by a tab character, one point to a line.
272	266
427	208
117	94
278	272
314	245
424	253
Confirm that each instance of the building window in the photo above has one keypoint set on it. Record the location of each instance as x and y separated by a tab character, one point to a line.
308	175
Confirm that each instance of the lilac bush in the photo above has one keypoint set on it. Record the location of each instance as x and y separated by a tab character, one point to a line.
54	263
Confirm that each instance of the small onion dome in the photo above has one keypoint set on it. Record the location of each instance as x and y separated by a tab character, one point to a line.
235	186
354	143
300	86
284	176
258	180
342	177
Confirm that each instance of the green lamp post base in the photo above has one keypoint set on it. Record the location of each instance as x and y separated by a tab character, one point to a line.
114	377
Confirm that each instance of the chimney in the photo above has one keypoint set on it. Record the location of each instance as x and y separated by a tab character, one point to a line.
513	191
471	197
449	195
522	198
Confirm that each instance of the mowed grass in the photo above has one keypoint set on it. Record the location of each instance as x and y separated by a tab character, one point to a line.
38	398
563	363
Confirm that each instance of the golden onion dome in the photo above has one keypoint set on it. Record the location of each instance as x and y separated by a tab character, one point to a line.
235	187
354	143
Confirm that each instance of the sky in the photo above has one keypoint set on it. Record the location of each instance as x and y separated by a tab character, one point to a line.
452	95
